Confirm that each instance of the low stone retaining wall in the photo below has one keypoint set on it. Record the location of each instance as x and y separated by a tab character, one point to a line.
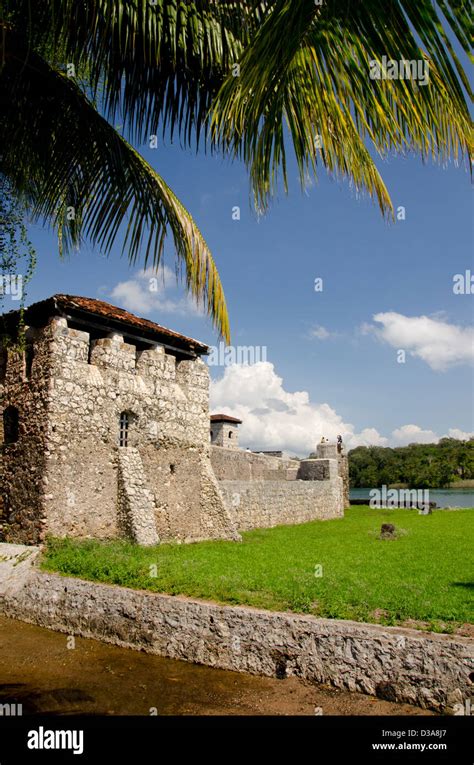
430	670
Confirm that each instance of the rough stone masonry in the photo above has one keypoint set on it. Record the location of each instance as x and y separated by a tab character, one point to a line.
106	433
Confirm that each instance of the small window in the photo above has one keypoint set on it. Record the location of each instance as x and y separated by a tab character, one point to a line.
11	423
123	429
212	434
230	434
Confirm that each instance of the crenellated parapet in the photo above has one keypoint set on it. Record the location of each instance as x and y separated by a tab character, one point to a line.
193	375
67	345
152	362
113	353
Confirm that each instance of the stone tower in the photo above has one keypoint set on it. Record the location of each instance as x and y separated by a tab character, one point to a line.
335	451
225	431
106	429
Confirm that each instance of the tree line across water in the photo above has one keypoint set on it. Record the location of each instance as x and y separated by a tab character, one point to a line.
417	466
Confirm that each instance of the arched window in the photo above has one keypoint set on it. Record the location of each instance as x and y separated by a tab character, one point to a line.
230	434
123	428
212	434
10	425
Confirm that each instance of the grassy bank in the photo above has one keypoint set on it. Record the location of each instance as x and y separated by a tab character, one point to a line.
338	568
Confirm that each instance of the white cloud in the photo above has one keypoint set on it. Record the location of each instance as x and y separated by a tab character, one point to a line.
148	290
435	341
461	435
274	418
320	333
413	434
368	437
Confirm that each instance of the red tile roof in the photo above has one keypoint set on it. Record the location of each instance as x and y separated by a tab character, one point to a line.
113	317
224	418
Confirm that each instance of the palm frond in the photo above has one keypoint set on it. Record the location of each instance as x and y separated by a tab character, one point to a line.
167	65
307	71
60	153
158	65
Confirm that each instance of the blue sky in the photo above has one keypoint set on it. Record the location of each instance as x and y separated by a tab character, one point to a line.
326	345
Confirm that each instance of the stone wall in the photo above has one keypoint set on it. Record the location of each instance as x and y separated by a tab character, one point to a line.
240	465
330	451
427	669
22	463
257	504
266	491
67	461
316	470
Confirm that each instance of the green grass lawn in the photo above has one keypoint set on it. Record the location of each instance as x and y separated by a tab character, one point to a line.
426	574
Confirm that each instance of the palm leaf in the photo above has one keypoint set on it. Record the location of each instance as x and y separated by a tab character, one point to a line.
158	65
306	72
303	73
60	153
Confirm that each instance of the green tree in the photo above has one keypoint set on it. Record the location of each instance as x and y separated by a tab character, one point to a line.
17	255
71	69
418	465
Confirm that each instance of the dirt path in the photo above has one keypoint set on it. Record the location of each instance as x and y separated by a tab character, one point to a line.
38	670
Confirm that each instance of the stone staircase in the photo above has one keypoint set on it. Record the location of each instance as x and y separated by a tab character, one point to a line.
136	503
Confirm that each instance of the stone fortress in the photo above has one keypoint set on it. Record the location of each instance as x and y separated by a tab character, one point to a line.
106	433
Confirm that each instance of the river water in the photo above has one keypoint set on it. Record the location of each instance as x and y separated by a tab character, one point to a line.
442	497
44	672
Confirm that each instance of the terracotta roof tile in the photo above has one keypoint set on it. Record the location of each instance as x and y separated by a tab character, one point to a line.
89	308
224	418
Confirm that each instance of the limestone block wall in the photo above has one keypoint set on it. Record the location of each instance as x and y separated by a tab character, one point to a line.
81	388
263	503
265	491
190	505
237	464
317	470
330	451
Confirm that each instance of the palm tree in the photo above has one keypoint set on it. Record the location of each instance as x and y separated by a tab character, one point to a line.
241	77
